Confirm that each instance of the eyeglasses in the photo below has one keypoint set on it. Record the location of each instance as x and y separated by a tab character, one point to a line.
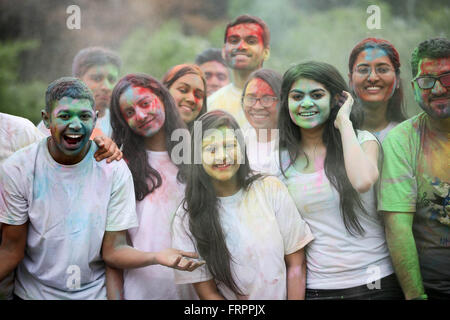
428	82
379	70
266	101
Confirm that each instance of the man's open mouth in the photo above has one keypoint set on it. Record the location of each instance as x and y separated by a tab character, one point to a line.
73	139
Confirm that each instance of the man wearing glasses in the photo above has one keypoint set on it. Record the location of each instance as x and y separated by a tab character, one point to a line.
414	188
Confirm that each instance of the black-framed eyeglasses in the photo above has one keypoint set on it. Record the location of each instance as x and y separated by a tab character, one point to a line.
265	101
428	82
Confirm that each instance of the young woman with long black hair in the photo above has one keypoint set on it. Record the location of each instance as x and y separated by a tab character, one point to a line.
143	117
330	168
245	226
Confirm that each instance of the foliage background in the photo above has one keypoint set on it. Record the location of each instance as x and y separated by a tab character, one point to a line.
36	47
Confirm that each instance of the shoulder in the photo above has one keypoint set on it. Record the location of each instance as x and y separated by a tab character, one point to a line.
22	162
18	128
25	154
117	168
268	184
226	92
364	135
404	132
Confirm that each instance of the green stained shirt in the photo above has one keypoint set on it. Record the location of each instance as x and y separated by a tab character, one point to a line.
415	179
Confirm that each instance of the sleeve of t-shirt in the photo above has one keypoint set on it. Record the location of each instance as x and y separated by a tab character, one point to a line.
182	239
364	136
122	204
13	196
398	186
294	230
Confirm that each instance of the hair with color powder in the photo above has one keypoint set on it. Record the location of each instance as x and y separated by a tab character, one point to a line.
201	202
210	54
146	179
396	105
94	56
180	70
290	135
245	18
67	87
432	48
271	77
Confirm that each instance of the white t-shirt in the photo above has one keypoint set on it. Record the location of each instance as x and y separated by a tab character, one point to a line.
228	98
335	259
103	124
15	133
261	226
262	155
69	208
155	214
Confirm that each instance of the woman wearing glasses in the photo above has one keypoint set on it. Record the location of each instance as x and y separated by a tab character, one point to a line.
260	105
374	74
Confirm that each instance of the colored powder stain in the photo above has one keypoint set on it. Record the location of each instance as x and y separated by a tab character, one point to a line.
374	53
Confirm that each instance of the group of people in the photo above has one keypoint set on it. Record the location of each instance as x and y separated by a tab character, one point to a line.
301	186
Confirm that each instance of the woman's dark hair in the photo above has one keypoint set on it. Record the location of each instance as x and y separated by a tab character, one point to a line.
396	105
272	78
290	135
202	205
146	179
180	70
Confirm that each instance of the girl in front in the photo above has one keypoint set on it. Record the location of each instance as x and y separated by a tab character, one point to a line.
143	116
246	227
330	168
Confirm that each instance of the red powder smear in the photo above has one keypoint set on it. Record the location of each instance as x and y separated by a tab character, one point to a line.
245	30
263	87
428	65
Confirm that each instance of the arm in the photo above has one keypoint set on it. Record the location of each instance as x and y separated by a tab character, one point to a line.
402	247
360	161
118	254
207	290
114	283
107	149
12	248
296	275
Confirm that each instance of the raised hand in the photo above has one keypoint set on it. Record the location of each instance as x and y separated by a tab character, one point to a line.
346	102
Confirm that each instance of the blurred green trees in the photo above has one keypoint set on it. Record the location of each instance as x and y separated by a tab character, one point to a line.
324	30
18	98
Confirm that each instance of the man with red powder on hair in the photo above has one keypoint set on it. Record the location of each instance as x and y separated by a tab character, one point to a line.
246	47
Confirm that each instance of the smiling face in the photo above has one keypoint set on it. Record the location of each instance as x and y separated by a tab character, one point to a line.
71	122
244	47
373	78
188	92
221	154
101	79
142	110
216	75
435	101
258	116
309	103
